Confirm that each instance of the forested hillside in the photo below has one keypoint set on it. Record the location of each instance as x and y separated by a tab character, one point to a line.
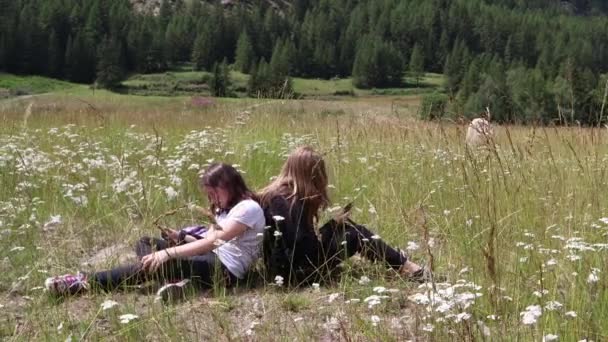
537	60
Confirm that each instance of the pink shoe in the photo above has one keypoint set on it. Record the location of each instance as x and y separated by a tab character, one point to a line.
67	284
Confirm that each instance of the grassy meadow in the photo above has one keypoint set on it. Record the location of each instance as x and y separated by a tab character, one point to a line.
519	232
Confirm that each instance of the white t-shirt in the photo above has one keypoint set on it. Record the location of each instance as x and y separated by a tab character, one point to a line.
240	252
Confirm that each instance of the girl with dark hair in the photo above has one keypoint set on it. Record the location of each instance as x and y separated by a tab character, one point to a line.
304	255
233	244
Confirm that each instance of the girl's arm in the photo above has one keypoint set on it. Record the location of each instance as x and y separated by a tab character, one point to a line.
215	237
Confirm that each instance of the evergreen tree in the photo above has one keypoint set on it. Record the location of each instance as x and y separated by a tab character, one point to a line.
245	54
455	67
204	51
279	63
529	94
165	13
55	56
417	63
471	80
280	82
109	69
79	62
377	64
493	93
220	80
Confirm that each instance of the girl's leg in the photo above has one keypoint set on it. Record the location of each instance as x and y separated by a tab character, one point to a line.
200	269
116	277
342	240
147	245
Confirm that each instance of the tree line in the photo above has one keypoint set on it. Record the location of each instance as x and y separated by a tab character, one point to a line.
533	60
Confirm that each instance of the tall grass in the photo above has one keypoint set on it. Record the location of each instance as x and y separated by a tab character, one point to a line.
520	225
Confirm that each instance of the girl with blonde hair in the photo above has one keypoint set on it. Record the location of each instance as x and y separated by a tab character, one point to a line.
294	250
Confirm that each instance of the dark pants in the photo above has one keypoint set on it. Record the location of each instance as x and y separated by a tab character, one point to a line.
339	241
199	269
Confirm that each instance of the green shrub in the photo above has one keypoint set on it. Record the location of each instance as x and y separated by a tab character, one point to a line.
433	106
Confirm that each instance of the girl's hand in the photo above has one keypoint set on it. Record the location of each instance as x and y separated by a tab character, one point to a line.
152	262
171	234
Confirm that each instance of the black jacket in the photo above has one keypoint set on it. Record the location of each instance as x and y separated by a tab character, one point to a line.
293	252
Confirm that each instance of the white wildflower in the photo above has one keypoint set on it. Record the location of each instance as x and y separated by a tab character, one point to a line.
428	327
278	218
553	305
375	320
250	331
444	307
278	280
170	192
376	237
593	277
333	297
531	315
419	298
412	246
315	287
108	304
126	318
379	289
571	314
463	316
573	257
53	222
549	337
277	233
372	210
364	280
372	301
540	294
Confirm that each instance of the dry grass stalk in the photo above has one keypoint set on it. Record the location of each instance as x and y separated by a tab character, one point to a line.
422	222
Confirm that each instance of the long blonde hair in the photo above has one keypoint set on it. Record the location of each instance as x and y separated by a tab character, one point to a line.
302	178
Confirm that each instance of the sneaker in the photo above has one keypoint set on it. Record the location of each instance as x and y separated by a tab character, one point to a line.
423	275
67	284
173	291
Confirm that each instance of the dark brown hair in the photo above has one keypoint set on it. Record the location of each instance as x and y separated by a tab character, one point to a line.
227	177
